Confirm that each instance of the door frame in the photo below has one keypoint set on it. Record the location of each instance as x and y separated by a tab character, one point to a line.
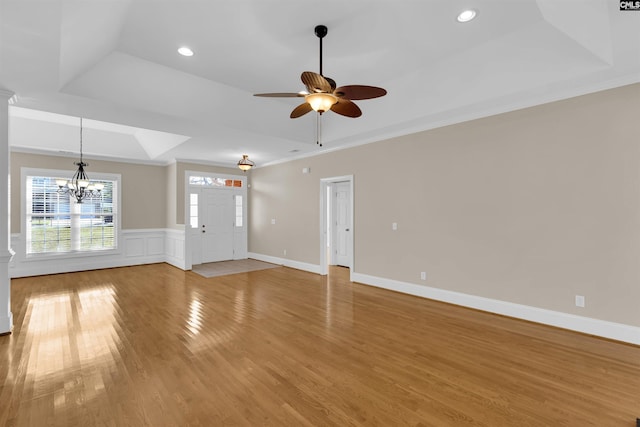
324	184
335	231
188	241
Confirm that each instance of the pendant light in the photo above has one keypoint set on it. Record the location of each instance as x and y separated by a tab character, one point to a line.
245	164
79	186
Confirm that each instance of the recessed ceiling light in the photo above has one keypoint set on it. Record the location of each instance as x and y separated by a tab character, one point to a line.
185	51
466	15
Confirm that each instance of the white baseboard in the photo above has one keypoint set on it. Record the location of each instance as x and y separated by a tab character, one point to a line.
312	268
611	330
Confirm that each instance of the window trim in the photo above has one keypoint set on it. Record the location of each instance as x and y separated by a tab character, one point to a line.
27	171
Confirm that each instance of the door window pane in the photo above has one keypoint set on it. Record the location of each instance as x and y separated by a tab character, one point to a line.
193	210
238	211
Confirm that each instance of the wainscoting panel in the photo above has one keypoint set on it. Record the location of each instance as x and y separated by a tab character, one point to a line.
174	248
134	246
155	245
141	246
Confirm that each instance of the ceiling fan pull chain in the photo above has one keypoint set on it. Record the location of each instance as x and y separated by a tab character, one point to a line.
319	129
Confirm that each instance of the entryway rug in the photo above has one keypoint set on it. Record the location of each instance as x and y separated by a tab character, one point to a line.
223	268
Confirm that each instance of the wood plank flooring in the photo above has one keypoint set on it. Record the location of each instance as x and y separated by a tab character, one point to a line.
155	346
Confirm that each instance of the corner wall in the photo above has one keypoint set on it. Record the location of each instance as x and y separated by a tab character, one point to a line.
528	208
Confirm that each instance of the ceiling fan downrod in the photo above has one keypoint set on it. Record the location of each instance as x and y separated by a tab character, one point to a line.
321	31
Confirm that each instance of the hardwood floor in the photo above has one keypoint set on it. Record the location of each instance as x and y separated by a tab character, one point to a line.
155	346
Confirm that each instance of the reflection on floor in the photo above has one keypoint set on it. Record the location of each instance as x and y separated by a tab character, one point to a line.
224	268
153	345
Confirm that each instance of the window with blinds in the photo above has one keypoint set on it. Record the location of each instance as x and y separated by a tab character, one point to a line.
55	223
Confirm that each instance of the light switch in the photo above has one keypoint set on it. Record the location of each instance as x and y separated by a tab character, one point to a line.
273	221
394	226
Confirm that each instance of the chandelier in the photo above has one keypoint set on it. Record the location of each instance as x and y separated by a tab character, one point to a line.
245	164
79	185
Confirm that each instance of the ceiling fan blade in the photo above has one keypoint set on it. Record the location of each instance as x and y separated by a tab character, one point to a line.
315	83
359	92
301	110
346	108
279	95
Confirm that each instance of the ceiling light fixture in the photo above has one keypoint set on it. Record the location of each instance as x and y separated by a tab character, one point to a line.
466	15
245	164
79	186
321	102
322	95
185	51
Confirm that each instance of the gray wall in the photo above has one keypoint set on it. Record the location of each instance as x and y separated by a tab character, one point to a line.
530	207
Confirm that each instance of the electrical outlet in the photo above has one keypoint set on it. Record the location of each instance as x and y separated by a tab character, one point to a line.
423	275
285	252
579	300
273	221
394	226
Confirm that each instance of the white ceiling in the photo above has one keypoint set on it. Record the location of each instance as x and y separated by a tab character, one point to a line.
115	63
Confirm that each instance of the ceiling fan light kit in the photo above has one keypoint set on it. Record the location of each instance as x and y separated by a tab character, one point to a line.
321	102
322	95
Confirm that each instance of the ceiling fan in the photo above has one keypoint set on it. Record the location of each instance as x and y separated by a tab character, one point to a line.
322	94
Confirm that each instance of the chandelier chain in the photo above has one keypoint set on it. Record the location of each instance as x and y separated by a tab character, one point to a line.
79	185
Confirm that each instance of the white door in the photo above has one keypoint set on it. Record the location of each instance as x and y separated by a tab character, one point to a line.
217	215
342	215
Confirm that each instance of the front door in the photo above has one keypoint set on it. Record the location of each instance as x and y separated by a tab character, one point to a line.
217	213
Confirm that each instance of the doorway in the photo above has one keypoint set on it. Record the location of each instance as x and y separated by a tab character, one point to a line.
216	219
336	223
